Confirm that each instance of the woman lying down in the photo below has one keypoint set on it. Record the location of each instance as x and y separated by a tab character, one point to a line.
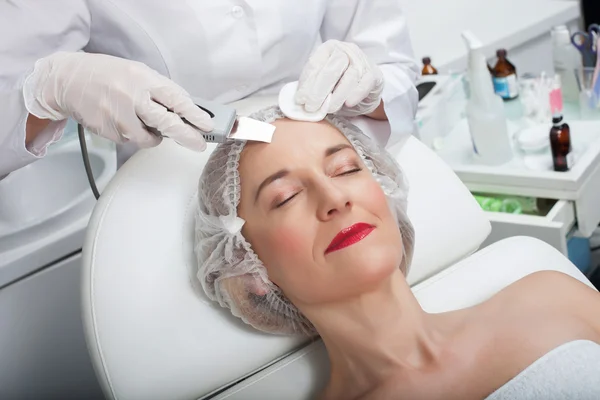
324	250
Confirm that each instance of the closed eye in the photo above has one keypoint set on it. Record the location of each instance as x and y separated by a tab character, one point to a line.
349	172
286	200
352	171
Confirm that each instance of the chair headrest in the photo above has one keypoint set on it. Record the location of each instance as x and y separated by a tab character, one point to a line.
153	334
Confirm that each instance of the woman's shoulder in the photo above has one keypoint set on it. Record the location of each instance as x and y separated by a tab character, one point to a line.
555	294
549	285
543	289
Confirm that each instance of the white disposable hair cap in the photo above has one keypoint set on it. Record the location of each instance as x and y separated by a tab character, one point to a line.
229	270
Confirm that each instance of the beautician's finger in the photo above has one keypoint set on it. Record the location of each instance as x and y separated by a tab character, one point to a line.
313	65
171	125
365	81
344	89
364	86
177	100
312	68
130	128
325	80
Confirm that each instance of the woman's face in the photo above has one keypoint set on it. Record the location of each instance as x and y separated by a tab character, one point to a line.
315	215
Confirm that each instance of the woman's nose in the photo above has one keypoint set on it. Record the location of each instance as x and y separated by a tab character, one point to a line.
333	201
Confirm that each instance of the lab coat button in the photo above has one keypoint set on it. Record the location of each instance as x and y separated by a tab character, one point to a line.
237	12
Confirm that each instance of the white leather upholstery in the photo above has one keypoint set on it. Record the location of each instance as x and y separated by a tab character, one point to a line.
152	335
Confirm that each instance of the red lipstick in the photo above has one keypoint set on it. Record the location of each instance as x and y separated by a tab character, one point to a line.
349	236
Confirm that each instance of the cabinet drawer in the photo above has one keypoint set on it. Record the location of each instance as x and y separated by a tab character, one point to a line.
552	228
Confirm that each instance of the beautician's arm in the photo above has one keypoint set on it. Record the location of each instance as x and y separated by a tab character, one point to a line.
34	128
379	113
380	30
32	30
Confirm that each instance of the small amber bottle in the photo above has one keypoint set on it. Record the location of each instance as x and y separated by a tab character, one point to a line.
560	143
505	77
428	69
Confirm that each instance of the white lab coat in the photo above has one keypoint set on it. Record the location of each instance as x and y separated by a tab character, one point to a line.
222	50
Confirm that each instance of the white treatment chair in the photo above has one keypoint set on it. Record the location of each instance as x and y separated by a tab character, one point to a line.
153	335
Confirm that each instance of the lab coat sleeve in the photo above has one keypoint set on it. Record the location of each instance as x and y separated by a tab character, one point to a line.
30	30
380	30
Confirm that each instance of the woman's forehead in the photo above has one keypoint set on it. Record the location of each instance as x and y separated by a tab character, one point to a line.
293	138
295	145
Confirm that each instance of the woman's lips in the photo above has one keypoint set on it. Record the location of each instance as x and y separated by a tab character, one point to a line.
349	236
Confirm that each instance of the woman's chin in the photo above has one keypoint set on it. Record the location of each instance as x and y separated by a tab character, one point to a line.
369	264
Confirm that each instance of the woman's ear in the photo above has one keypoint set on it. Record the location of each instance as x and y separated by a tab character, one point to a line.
255	285
238	286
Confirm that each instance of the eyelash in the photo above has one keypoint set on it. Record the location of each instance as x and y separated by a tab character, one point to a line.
352	171
286	200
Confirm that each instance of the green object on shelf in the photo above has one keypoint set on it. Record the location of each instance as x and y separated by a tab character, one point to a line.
512	206
527	205
498	204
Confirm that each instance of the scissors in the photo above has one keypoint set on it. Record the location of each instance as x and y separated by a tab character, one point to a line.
585	42
594	29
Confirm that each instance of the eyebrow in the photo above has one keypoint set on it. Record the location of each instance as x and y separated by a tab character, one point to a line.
284	172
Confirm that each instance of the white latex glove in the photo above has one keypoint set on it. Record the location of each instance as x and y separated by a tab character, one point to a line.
114	98
344	71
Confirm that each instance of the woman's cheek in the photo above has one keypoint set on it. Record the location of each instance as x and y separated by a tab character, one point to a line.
376	197
285	251
289	241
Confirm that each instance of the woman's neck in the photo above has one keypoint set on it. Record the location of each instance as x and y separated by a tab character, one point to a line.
377	334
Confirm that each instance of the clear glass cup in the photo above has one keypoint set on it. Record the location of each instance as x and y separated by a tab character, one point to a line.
534	98
588	99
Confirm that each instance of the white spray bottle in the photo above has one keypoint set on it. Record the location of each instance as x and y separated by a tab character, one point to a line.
566	61
485	109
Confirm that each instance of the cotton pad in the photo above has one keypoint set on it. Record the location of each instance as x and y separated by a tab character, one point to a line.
295	111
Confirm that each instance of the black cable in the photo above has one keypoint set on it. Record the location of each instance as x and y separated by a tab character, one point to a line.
86	161
596	248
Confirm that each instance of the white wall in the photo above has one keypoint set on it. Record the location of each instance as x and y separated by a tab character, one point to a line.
435	27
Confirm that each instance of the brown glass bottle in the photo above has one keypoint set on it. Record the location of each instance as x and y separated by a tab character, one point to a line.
560	143
505	77
428	69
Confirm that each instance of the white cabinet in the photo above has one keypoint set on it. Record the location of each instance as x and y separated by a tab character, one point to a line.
43	354
576	193
553	228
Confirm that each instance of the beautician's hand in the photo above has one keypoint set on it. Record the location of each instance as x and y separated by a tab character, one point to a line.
341	69
114	98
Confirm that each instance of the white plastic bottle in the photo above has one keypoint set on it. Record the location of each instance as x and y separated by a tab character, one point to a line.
565	59
485	109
